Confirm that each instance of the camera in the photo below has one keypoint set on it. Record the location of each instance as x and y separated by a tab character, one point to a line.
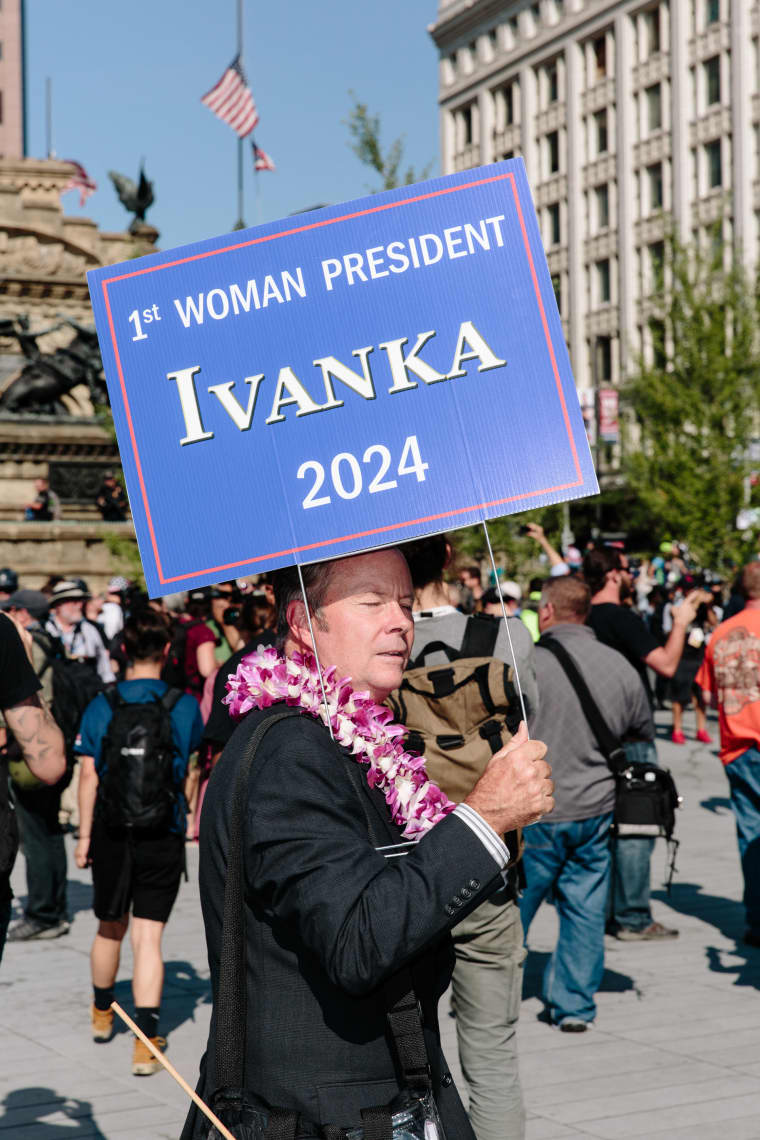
231	615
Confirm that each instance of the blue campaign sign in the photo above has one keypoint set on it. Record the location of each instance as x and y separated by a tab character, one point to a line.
341	380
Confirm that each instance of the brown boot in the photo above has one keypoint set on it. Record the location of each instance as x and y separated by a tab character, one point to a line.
102	1024
144	1064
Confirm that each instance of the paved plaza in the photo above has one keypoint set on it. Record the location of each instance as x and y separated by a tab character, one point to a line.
675	1052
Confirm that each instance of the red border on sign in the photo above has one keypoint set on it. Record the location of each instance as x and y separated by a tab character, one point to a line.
302	229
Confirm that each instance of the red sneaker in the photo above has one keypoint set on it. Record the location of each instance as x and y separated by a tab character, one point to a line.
704	737
678	738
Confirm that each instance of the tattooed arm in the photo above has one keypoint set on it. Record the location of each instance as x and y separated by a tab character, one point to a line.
39	738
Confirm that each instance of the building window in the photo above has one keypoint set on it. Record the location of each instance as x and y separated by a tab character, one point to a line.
453	64
535	13
599	49
508	92
600	127
714	164
493	40
602	195
657	337
552	152
656	264
654	177
473	49
555	233
652	31
552	83
712	80
712	11
466	121
557	287
654	107
603	358
512	35
603	281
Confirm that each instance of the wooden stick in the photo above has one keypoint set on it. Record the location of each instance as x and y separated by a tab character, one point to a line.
225	1132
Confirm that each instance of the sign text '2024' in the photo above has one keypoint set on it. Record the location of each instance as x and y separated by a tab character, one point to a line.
347	477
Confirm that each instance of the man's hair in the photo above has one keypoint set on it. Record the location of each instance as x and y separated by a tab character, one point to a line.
145	636
427	559
570	596
287	589
751	580
597	565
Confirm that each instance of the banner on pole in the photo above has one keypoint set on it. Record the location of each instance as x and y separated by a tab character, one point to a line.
609	428
341	380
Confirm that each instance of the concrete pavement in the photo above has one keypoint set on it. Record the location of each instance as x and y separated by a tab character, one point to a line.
675	1052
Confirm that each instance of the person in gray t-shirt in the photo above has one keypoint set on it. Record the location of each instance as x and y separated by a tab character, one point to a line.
569	857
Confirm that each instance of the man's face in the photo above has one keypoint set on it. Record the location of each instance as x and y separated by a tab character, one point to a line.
365	626
69	613
22	616
626	578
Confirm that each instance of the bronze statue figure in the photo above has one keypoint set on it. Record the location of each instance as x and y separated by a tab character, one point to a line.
46	377
135	197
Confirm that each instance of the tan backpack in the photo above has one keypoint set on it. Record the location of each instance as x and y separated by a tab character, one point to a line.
458	714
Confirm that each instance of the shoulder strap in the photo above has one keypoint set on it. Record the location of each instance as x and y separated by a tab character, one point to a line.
114	697
170	698
231	1008
479	637
610	745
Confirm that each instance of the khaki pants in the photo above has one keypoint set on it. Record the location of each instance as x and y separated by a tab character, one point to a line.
487	987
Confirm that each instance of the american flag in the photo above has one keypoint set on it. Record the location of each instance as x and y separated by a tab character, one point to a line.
261	160
81	181
231	99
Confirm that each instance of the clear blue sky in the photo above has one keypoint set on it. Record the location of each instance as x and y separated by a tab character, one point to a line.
128	76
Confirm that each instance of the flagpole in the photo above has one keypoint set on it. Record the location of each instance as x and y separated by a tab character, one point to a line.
240	224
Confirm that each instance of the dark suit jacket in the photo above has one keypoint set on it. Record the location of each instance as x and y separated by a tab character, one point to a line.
328	920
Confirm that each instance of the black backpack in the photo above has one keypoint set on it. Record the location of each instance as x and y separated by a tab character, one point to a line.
75	684
137	789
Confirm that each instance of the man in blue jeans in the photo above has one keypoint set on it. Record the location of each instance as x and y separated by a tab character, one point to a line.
568	859
615	624
730	677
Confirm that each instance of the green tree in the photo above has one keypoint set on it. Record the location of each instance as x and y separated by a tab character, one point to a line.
695	404
364	132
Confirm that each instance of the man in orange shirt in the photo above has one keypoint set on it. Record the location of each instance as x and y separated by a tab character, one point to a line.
730	677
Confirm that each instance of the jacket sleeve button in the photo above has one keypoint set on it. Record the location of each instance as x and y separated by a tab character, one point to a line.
475	884
446	1080
465	893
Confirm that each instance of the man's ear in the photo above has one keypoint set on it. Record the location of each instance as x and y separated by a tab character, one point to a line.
449	555
298	624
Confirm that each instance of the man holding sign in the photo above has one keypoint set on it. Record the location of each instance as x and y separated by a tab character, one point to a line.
356	867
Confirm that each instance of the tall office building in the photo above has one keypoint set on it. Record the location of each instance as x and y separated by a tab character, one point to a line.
11	79
629	115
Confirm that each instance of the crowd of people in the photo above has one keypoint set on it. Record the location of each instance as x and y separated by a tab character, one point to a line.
138	689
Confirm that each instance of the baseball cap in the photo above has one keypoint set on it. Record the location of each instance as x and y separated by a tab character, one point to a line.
510	589
32	600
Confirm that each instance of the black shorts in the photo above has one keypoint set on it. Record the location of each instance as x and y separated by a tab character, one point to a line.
143	872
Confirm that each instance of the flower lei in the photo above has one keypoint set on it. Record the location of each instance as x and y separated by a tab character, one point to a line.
265	677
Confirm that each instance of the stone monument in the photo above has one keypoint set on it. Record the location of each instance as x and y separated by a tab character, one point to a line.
51	382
